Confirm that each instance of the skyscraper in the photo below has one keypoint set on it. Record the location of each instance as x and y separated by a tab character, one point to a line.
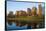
33	11
39	11
28	11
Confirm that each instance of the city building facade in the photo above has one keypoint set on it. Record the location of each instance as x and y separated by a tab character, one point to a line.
33	11
39	10
28	11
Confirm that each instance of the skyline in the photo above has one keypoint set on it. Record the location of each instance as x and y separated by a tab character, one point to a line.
14	6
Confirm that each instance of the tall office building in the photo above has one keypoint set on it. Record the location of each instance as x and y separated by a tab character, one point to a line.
39	11
28	11
33	11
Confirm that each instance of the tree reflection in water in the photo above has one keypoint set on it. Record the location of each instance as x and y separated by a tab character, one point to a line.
10	23
29	25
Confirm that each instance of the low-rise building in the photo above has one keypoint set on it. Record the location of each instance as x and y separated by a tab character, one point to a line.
20	13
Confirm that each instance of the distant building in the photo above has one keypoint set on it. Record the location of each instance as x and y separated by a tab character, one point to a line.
17	13
28	11
39	11
21	13
33	11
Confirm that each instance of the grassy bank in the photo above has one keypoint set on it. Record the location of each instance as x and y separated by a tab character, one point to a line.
30	18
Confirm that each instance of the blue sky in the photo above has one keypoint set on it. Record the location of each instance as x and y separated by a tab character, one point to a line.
14	6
